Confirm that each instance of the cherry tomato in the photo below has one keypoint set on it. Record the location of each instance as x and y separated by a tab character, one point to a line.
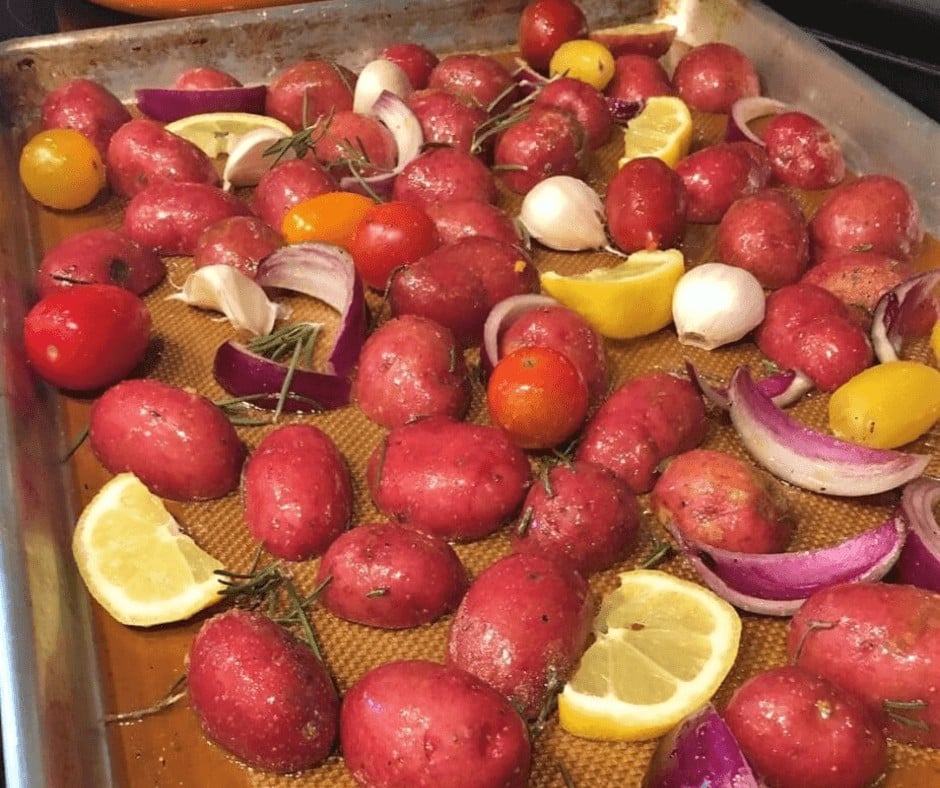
391	234
537	396
87	337
326	218
62	168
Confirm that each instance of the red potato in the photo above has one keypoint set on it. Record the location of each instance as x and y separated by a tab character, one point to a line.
716	176
443	174
297	492
416	60
101	256
880	642
389	576
260	693
149	428
480	78
645	205
638	77
765	233
446	118
411	367
142	152
447	478
287	183
204	78
811	330
714	498
522	627
711	77
461	732
637	38
544	25
359	142
873	213
581	516
582	100
239	241
308	90
797	728
802	152
170	217
649	418
564	330
86	106
459	219
505	269
545	143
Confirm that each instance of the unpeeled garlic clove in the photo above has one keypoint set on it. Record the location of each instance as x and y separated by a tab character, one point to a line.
564	213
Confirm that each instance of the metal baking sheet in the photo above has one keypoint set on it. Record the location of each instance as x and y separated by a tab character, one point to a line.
51	682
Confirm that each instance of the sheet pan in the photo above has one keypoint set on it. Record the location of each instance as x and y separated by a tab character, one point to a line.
52	684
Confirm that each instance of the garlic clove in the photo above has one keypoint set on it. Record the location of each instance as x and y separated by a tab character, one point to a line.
247	162
376	77
715	304
225	289
564	213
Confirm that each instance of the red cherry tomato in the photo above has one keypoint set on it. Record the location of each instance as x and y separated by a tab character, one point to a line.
537	396
391	234
86	337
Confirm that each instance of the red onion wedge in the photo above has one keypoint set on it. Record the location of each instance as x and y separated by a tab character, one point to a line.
748	109
777	584
809	459
622	110
784	388
169	104
919	564
405	127
892	315
502	314
700	751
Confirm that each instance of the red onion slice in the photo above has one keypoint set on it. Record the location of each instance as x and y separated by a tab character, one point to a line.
622	110
325	272
776	584
919	563
747	109
784	388
169	104
809	459
502	314
893	310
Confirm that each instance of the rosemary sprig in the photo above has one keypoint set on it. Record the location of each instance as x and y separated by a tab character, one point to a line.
661	551
79	440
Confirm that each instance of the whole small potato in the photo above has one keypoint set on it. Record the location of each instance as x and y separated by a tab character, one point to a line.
711	77
459	219
461	731
583	101
143	152
803	152
305	91
717	175
260	693
544	25
446	118
411	367
645	205
204	78
239	241
453	479
297	492
287	183
86	106
522	627
638	77
442	174
416	60
390	576
350	135
547	142
481	78
150	428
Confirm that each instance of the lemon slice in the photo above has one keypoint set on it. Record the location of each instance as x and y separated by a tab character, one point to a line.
135	561
663	646
218	132
663	129
629	300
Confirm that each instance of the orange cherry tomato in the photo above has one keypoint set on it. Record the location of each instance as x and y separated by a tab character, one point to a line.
327	218
537	396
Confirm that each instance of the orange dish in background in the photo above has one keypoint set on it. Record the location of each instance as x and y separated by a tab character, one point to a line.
160	9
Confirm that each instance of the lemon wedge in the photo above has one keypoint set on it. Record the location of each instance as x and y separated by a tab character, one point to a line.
629	300
663	646
662	129
216	133
136	562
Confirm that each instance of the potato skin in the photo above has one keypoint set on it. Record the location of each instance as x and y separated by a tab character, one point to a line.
463	732
446	118
453	479
645	205
582	100
297	492
319	86
442	174
522	627
86	106
711	77
239	241
286	184
547	142
638	77
802	152
459	219
390	576
797	728
480	78
260	693
362	133
881	642
150	428
716	176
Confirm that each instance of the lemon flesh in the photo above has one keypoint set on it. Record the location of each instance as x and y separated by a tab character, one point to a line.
216	133
662	129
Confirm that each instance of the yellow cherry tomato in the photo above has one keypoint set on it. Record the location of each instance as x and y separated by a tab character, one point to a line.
585	60
327	218
61	168
887	405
